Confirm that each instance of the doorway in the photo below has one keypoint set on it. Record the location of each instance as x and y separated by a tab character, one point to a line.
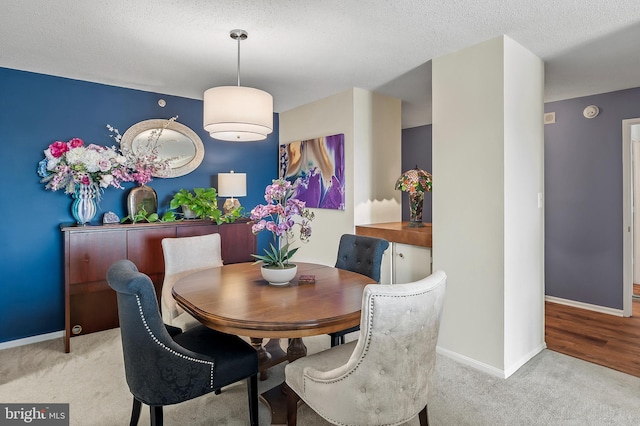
630	215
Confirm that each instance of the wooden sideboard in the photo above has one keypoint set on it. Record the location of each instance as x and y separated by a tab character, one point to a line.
89	251
410	258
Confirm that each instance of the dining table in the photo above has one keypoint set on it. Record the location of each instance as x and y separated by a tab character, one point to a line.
235	299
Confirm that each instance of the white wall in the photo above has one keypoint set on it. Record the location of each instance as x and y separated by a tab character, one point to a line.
523	217
378	128
371	124
635	151
479	163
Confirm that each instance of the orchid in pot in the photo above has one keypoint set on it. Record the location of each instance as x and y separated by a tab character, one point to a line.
280	216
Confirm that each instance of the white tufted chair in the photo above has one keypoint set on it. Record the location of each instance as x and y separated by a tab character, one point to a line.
383	378
183	256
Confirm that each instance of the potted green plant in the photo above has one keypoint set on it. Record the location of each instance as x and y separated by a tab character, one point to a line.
200	203
143	216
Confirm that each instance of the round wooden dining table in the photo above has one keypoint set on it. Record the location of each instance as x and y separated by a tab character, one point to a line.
235	299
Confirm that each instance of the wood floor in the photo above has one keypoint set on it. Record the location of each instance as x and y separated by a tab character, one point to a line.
603	339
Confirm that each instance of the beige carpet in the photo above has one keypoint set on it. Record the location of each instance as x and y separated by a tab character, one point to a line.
91	378
551	389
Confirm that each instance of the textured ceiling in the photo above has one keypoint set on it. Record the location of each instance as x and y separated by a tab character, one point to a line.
301	51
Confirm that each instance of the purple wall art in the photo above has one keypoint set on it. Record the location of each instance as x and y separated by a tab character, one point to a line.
316	167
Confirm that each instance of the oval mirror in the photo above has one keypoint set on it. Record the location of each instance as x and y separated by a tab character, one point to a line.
177	143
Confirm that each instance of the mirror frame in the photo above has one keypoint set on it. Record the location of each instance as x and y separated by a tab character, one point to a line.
159	123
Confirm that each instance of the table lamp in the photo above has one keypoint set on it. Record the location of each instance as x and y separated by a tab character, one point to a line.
232	185
416	182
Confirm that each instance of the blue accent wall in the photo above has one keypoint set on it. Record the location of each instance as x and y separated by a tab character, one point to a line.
583	198
36	110
417	151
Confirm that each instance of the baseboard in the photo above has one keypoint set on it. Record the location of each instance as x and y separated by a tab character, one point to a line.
526	358
587	306
31	339
489	369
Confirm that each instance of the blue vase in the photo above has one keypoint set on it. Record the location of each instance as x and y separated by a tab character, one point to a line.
84	206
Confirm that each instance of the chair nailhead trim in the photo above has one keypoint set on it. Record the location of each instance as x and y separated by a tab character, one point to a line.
168	349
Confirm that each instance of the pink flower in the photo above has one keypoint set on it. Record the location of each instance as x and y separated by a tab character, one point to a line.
58	149
278	217
142	176
75	143
272	227
259	226
104	164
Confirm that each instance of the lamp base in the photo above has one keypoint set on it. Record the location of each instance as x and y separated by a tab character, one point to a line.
230	205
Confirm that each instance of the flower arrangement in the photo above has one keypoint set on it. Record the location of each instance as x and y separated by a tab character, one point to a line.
414	180
278	216
68	164
144	161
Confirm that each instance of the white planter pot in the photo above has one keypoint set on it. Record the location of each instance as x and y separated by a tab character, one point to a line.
187	213
278	276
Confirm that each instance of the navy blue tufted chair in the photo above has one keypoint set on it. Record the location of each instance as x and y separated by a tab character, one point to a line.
162	370
357	253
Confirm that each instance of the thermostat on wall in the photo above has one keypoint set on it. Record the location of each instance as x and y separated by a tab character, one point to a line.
591	111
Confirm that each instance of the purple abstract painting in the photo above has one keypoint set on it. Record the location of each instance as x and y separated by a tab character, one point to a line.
316	166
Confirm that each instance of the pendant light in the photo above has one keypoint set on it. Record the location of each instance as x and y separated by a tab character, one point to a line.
235	113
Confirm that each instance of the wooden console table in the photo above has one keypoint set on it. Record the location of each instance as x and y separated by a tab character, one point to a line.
398	232
89	251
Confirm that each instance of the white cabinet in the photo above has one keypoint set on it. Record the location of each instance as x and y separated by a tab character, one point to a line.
408	258
411	263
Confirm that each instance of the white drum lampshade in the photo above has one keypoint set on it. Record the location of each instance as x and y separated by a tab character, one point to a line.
232	185
237	113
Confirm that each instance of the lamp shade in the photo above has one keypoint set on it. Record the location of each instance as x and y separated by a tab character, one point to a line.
232	184
236	113
415	180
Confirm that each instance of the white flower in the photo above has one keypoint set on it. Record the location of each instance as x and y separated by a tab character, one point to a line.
52	163
105	180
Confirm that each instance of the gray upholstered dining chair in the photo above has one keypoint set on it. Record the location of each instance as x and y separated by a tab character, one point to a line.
361	254
182	256
384	377
165	366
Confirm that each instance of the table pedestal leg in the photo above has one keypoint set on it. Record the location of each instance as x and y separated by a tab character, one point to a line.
263	355
296	349
276	398
269	355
